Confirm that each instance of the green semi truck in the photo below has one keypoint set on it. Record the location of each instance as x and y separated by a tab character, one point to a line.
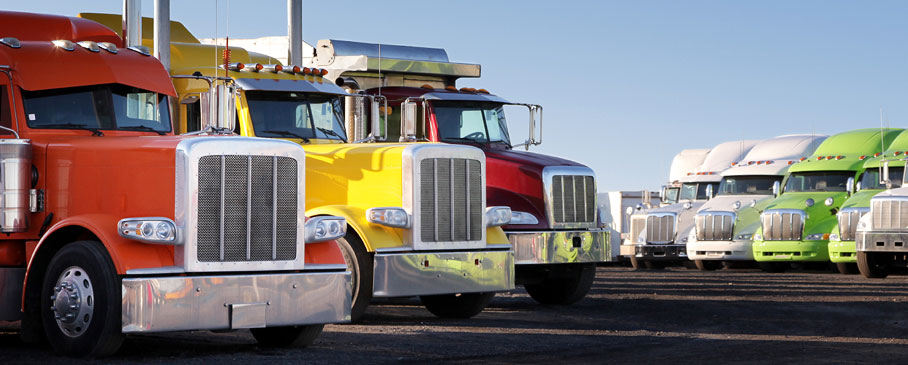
795	226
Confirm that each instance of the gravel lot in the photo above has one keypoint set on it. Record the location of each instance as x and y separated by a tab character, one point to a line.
676	315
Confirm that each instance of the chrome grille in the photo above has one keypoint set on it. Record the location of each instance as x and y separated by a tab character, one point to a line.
889	214
779	225
247	208
573	199
451	200
848	222
715	226
638	223
660	228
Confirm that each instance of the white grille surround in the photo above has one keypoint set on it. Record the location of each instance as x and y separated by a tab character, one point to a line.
453	223
200	221
574	207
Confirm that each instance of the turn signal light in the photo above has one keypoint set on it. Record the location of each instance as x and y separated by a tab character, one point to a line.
876	154
450	88
150	229
324	71
862	157
389	216
427	86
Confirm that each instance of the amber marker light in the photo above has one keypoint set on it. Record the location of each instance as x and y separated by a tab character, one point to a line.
450	88
306	71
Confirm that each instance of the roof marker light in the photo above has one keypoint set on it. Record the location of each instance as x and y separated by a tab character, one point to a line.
830	157
876	154
109	47
273	68
256	67
734	163
89	45
790	162
307	71
140	50
482	91
10	42
820	158
427	86
803	159
898	153
862	157
839	157
450	88
239	66
296	69
750	162
769	162
324	71
65	44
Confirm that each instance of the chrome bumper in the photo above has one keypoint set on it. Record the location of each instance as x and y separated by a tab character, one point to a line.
661	252
179	303
403	274
11	280
561	247
720	250
882	241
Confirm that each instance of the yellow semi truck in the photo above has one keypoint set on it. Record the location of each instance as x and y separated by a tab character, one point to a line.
418	224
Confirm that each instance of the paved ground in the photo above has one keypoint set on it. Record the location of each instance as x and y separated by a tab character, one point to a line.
675	315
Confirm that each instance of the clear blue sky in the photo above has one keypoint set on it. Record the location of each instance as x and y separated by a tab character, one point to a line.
625	85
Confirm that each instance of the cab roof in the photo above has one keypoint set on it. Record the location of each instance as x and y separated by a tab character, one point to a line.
45	27
843	151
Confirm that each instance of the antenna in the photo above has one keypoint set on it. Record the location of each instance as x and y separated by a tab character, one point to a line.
381	81
882	144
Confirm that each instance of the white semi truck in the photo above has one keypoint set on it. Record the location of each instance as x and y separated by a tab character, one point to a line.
724	226
663	237
684	162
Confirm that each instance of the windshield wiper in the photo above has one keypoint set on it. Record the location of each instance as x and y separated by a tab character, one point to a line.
288	134
142	128
462	139
329	132
94	131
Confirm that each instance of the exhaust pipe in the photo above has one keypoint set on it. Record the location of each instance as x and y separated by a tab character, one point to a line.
295	32
162	32
132	23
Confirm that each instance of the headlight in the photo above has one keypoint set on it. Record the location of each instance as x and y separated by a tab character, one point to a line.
737	205
687	205
818	236
498	216
808	202
150	229
758	237
862	225
833	237
389	216
753	203
744	236
324	228
829	201
523	218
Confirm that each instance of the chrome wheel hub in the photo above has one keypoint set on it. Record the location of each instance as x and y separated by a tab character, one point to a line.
73	301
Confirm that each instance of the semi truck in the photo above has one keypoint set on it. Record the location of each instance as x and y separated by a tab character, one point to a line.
556	230
842	247
114	225
418	221
684	162
796	225
665	230
724	226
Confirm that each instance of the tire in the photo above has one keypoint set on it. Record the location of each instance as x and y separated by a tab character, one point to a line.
359	262
708	265
773	267
872	265
636	264
291	336
655	265
456	305
847	268
84	270
565	287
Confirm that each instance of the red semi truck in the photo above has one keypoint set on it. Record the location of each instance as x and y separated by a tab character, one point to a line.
555	229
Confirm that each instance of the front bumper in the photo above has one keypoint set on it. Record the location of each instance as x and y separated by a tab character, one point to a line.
842	252
561	247
177	303
720	250
787	251
404	274
666	252
882	241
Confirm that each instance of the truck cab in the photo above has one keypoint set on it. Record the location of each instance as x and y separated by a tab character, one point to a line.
665	230
114	225
724	226
555	227
796	225
685	161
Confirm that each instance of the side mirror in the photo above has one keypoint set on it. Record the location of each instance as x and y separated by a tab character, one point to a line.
884	174
221	107
358	115
408	117
629	211
776	189
709	191
858	186
849	185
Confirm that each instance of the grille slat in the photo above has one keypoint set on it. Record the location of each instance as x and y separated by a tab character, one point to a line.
247	208
573	199
782	225
451	200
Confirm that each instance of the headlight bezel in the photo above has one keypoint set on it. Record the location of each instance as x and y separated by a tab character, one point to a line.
148	229
523	218
394	217
324	228
497	216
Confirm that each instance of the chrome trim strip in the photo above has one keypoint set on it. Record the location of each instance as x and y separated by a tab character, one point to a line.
274	208
467	184
557	247
179	303
248	207
223	175
163	270
431	273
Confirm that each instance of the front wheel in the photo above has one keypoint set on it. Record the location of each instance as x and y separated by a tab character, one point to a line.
847	268
565	284
773	267
456	305
636	263
655	265
80	301
872	265
360	264
291	336
708	265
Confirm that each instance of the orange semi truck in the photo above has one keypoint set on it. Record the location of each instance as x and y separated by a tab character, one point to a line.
114	225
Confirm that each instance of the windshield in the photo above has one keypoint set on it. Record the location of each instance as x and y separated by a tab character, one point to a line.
818	181
670	196
871	178
288	114
747	185
460	121
106	107
694	191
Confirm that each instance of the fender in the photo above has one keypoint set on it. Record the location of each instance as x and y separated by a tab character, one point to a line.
373	235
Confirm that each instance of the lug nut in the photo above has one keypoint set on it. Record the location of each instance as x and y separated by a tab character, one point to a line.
56	315
73	306
73	296
57	289
53	297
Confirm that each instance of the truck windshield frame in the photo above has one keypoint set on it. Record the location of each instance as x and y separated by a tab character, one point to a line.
278	114
671	195
817	181
98	107
458	121
748	185
871	178
694	191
